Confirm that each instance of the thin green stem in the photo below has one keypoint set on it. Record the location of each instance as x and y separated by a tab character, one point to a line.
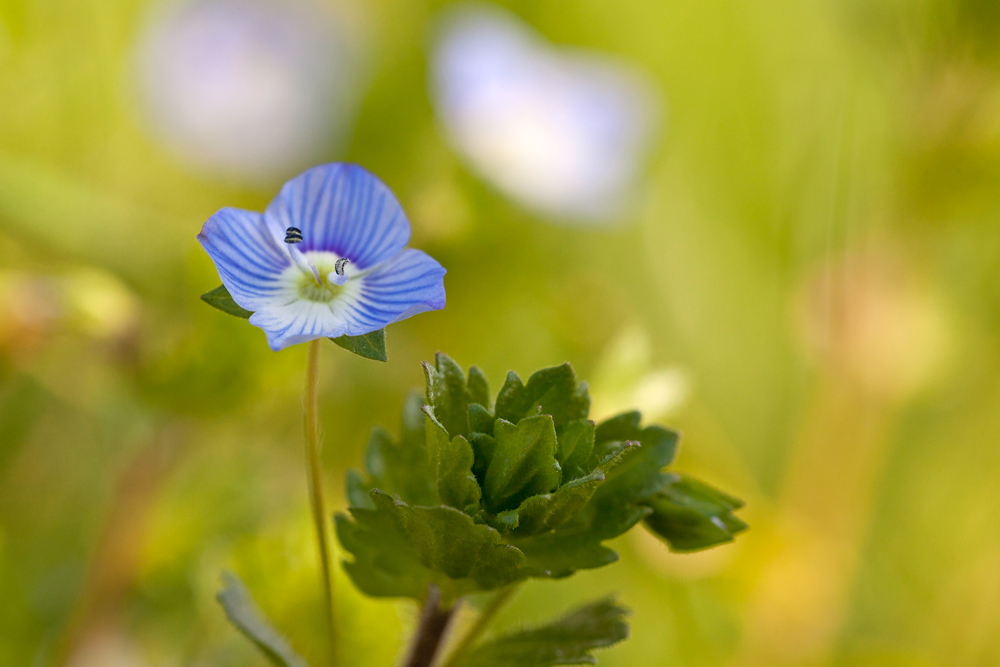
316	489
485	616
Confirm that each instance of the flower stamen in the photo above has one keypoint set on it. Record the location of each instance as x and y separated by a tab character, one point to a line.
293	236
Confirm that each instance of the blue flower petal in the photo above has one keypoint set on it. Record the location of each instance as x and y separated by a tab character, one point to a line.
299	321
249	259
342	208
412	282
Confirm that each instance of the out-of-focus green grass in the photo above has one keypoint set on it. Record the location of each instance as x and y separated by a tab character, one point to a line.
817	255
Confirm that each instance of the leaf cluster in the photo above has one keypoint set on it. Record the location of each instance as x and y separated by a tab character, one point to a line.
476	494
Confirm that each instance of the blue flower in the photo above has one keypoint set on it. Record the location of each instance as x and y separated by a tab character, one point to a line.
345	268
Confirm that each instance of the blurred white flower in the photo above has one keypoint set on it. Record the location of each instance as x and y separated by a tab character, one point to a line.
564	132
248	88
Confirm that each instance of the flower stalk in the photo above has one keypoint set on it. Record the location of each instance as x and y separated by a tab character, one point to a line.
430	633
485	617
316	489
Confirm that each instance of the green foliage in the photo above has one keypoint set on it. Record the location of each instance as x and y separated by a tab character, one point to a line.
575	445
691	515
549	511
221	298
447	394
474	499
399	549
550	391
568	641
449	541
385	564
244	613
479	388
370	345
523	462
398	467
451	461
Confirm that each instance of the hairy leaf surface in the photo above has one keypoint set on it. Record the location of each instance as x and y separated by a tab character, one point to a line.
568	641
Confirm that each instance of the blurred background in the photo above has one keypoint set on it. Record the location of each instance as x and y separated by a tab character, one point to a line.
771	225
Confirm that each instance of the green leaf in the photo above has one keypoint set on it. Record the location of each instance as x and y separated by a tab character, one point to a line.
244	613
555	392
451	460
221	298
576	442
358	489
401	467
691	515
449	542
562	552
512	401
612	431
568	641
614	508
549	511
446	393
384	563
478	389
483	446
370	345
639	474
551	391
523	463
480	419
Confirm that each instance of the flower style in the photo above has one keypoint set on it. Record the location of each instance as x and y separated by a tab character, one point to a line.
327	258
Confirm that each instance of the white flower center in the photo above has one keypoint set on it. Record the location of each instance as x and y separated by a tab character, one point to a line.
334	272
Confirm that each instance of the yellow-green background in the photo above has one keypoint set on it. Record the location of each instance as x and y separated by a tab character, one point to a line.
816	254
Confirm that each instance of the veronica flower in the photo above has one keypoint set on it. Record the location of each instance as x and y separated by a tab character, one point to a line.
328	258
563	132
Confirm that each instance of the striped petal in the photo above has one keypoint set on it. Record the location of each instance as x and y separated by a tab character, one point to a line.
300	320
249	260
344	209
411	282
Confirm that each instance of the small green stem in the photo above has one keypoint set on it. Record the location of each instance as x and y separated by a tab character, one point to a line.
487	614
316	489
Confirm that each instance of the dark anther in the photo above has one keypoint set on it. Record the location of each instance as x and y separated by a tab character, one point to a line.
338	267
293	235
